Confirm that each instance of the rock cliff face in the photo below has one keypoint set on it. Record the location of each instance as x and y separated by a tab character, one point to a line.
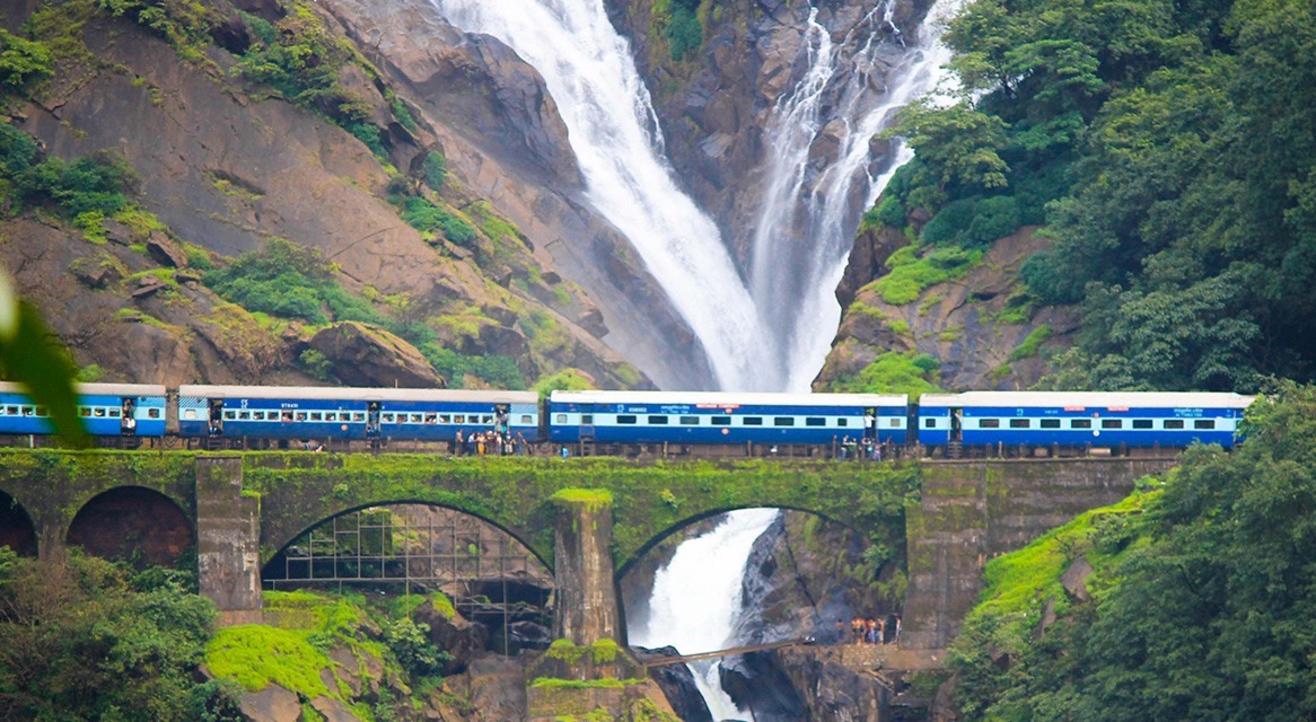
981	327
227	164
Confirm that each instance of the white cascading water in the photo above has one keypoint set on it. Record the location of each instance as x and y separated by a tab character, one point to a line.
697	597
808	219
774	333
613	129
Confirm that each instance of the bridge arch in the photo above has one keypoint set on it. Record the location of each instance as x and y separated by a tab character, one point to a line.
17	531
133	523
279	546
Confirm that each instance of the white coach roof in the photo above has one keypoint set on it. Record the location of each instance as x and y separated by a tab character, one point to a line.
9	387
722	398
338	393
1093	399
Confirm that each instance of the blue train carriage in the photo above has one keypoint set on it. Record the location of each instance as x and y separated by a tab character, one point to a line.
1072	418
352	413
105	410
697	417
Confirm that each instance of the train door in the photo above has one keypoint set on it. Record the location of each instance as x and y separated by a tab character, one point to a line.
870	424
216	417
128	416
372	420
957	424
502	418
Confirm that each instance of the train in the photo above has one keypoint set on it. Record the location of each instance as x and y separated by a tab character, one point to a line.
934	422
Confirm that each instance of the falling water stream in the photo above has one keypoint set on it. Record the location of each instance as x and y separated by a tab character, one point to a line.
772	332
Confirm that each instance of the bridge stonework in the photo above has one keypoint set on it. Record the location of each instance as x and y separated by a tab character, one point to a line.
247	507
972	511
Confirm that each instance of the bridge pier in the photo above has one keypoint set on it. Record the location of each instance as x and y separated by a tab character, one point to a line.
582	568
228	541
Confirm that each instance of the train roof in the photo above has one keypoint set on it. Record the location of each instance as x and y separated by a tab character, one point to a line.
339	393
9	387
722	398
1095	399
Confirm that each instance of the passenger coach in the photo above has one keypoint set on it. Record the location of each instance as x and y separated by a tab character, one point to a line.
352	413
106	410
1112	419
723	418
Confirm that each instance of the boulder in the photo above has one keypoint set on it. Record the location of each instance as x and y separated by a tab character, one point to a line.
333	710
459	637
164	251
98	275
365	355
1075	579
678	685
272	704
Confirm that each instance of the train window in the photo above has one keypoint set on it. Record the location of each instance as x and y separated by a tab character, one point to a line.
752	421
626	419
11	410
929	423
1080	423
1142	423
560	419
1021	423
286	416
989	423
316	416
445	418
386	418
1173	424
244	415
299	416
228	415
258	416
486	419
783	421
431	418
1204	423
41	411
114	413
721	420
27	410
331	416
1112	423
84	411
657	420
527	419
587	418
689	420
1049	423
358	416
893	423
842	422
815	421
459	419
415	418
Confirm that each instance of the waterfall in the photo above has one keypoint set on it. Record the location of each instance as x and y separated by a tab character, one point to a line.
697	597
809	217
614	132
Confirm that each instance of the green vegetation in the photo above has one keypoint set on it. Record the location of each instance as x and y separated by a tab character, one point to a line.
679	24
87	639
1032	343
588	498
498	371
85	187
289	281
316	364
1199	599
301	60
564	380
185	24
602	683
434	170
22	62
894	372
911	273
1168	149
423	215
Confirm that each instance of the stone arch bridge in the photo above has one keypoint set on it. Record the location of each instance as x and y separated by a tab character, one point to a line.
582	517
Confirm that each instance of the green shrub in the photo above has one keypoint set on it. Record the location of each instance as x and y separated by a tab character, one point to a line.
22	62
1032	343
316	364
564	380
94	184
423	215
498	371
684	33
369	134
410	643
911	274
435	170
889	212
402	113
973	222
894	373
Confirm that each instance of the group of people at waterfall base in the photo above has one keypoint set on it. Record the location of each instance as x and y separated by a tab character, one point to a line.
869	631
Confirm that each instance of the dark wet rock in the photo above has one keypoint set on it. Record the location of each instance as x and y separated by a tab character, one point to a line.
678	684
165	251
